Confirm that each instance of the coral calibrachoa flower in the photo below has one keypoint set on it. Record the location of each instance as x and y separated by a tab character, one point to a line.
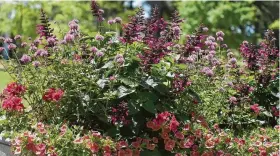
53	95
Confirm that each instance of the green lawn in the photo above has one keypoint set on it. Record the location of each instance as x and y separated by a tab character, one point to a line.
4	79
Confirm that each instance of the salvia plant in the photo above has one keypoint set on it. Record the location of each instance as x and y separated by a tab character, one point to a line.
144	92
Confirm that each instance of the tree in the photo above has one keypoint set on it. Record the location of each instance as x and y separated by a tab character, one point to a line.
236	19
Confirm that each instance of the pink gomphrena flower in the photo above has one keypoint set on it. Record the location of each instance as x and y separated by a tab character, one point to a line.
211	38
69	38
73	25
220	39
220	34
118	20
41	52
2	49
232	61
23	44
8	40
112	21
119	59
99	37
99	53
51	41
112	78
25	59
33	48
93	49
17	37
36	63
36	42
233	100
224	46
12	46
205	29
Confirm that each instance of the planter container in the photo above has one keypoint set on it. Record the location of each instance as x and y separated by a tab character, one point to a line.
5	148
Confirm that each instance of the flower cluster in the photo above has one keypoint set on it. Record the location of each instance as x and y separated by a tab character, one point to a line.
12	100
96	11
180	83
119	114
53	95
197	135
260	57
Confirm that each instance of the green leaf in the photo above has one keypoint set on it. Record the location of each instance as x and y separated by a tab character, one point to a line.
133	107
149	106
109	64
148	99
128	82
101	83
181	66
162	89
194	95
123	91
151	153
112	132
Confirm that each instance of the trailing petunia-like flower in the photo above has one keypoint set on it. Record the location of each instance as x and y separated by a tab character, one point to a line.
53	95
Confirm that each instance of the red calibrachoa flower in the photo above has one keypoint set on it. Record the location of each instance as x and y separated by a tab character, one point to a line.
255	108
53	95
12	103
14	89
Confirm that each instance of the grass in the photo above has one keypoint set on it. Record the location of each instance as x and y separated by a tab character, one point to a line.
4	79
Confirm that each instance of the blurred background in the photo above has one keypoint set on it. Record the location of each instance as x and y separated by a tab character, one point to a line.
240	20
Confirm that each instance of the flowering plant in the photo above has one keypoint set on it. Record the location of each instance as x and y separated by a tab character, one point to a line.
116	85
